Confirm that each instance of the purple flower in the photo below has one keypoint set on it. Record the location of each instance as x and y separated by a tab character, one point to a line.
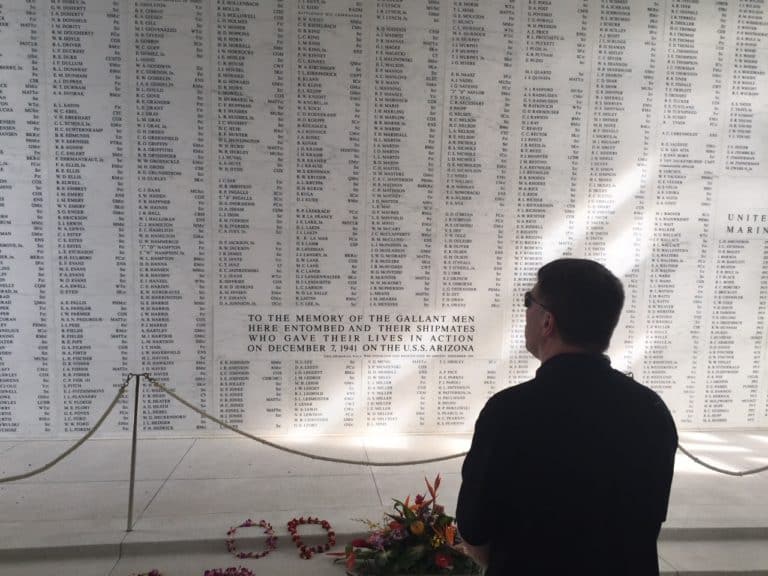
376	541
397	534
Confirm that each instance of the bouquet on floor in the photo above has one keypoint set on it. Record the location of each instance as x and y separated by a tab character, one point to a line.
418	538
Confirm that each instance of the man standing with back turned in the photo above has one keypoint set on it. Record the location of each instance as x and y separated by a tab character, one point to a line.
569	473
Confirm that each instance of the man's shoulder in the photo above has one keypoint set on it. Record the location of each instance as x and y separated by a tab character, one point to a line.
512	396
643	401
637	389
610	389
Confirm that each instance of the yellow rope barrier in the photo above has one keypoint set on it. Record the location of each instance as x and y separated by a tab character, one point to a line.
407	463
721	470
77	445
291	450
223	424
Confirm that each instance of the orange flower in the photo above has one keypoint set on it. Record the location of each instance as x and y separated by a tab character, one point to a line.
433	488
447	533
351	561
417	528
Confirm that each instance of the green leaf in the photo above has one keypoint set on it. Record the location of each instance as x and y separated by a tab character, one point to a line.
383	557
414	553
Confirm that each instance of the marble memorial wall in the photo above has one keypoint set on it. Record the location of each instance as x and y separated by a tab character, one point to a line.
320	216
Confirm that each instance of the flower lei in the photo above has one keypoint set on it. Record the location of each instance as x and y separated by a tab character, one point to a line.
271	541
231	571
305	551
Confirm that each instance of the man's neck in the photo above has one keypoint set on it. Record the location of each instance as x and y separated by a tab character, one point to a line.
553	348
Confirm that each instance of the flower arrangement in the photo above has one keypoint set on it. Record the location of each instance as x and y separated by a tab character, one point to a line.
419	538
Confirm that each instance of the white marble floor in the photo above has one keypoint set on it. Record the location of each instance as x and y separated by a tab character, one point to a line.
72	519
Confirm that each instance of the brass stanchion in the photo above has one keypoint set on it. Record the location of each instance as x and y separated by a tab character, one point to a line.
133	452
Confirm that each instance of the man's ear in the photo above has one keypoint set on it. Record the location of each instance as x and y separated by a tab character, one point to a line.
549	324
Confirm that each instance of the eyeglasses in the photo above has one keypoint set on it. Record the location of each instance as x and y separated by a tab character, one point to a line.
530	301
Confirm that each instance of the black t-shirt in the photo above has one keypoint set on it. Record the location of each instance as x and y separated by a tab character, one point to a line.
569	473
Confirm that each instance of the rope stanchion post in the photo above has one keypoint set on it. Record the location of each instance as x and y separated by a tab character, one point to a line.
133	452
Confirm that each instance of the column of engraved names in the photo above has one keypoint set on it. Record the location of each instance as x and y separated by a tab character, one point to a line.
648	91
680	236
250	128
731	385
9	377
251	393
506	146
397	389
351	385
402	144
380	376
743	163
24	290
157	244
171	204
234	376
506	86
463	156
91	267
462	387
743	154
422	385
715	380
718	395
309	395
608	109
453	394
761	336
251	232
234	107
539	206
199	201
625	58
388	240
272	382
117	17
491	380
429	179
326	205
70	134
